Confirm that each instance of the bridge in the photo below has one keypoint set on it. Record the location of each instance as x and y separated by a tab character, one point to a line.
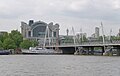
70	48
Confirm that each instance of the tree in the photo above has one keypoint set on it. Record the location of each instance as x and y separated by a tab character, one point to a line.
1	45
16	36
34	43
26	44
4	36
9	44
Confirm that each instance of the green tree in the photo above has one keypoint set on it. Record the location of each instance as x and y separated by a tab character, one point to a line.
34	43
4	36
1	45
9	44
26	44
16	36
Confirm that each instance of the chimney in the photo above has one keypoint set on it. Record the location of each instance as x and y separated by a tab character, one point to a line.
31	22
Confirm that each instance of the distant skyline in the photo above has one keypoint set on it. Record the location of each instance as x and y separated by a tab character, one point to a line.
85	14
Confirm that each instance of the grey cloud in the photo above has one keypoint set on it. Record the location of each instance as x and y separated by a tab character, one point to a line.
15	9
61	11
97	10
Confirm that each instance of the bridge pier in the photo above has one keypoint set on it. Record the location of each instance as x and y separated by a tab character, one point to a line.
118	51
92	50
87	50
68	50
103	49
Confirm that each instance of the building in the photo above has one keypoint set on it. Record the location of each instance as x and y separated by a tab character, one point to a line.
39	31
97	32
81	35
95	36
118	35
2	32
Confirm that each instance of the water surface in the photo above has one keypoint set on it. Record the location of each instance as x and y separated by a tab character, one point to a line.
59	65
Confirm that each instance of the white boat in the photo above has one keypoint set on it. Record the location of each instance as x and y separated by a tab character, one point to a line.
36	50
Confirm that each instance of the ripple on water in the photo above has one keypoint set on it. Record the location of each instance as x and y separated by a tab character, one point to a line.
59	65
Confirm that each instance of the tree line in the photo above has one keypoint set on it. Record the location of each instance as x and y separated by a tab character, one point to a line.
14	40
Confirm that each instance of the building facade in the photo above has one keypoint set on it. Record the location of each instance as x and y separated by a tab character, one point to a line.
3	32
40	31
118	35
97	32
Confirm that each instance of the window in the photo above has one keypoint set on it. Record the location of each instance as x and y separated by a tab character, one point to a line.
29	33
54	34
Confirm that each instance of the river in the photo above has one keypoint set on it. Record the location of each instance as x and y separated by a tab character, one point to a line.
59	65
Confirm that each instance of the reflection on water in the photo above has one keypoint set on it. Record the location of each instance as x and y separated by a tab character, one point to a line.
59	65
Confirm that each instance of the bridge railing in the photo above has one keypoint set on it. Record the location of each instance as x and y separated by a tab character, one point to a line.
92	42
87	43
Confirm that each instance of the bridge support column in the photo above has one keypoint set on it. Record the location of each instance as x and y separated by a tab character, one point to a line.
118	51
92	50
87	52
103	50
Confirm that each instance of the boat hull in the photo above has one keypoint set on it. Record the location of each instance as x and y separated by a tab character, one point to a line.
25	53
4	53
40	52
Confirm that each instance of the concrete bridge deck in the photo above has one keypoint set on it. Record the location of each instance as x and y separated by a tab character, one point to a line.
71	48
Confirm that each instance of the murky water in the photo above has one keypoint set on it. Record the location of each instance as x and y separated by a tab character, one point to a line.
59	65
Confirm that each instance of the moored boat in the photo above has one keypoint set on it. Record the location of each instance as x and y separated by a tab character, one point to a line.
4	52
36	51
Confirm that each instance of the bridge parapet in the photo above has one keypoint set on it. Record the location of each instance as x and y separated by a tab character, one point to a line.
93	42
88	43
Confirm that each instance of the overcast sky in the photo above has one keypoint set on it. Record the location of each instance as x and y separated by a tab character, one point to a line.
85	14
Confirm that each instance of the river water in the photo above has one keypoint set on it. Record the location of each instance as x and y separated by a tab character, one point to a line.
59	65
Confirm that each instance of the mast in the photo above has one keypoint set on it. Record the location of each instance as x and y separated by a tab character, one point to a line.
49	35
103	37
103	33
74	37
45	36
